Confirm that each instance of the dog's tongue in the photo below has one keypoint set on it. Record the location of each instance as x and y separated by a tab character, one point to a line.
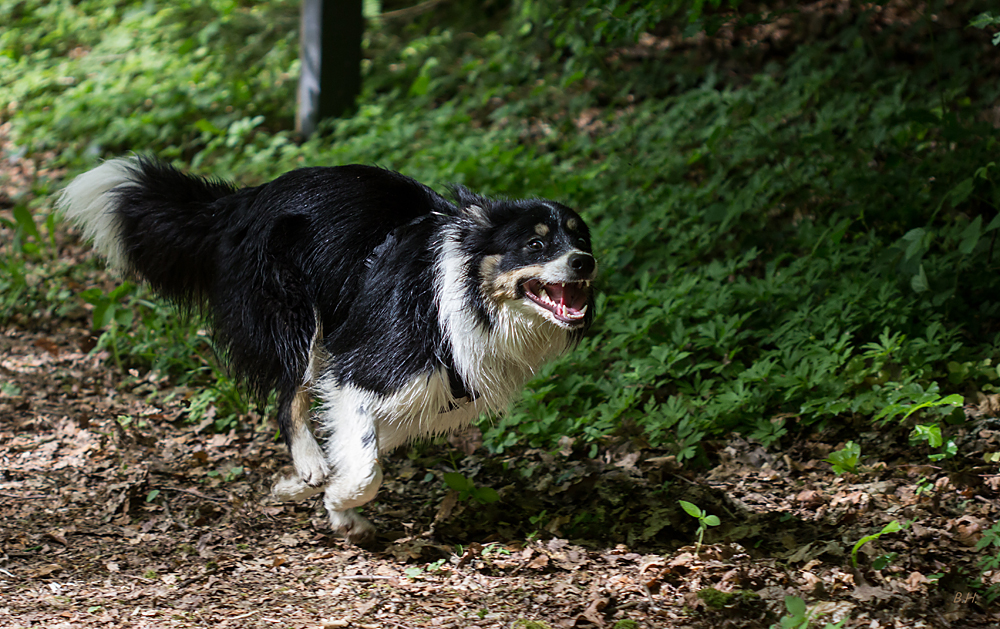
567	302
570	296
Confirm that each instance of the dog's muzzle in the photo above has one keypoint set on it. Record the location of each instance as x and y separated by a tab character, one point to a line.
564	288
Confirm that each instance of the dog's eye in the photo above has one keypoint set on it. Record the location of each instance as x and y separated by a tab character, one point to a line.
536	244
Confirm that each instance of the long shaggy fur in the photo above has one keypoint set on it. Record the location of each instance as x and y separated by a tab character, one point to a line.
406	314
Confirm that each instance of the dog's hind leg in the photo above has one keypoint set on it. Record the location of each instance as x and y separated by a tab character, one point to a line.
310	462
352	452
294	421
311	468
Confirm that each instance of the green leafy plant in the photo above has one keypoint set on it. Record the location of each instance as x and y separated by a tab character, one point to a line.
989	545
26	235
799	616
704	520
413	572
467	489
930	399
988	19
779	249
24	248
436	566
495	550
929	433
883	560
108	316
924	485
845	460
230	475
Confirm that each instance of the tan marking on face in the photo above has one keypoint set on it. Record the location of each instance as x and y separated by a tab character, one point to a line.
542	229
572	224
488	272
503	286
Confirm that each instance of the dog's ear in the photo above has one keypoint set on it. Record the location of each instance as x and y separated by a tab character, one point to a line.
472	205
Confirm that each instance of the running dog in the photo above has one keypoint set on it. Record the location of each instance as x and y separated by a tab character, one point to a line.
404	313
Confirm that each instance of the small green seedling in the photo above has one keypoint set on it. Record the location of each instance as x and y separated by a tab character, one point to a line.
924	485
931	433
109	314
799	616
704	520
883	560
413	572
846	460
467	489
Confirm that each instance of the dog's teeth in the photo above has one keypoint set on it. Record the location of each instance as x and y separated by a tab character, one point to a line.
583	310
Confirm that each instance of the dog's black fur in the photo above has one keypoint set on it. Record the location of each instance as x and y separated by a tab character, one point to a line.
405	313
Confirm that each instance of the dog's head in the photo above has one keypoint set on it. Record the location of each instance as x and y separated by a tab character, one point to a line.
531	255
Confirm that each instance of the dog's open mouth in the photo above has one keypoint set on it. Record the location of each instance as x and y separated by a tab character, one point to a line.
567	301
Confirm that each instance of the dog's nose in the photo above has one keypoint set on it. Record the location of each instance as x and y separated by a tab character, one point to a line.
582	263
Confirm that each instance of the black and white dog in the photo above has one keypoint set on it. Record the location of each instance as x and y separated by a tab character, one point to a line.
405	314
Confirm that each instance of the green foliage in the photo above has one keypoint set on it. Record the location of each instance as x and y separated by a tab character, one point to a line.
799	616
230	475
147	334
891	527
990	561
987	20
704	519
781	245
108	314
882	561
95	78
466	489
925	400
717	599
748	286
845	460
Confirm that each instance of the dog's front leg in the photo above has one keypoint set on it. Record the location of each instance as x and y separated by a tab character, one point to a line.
352	452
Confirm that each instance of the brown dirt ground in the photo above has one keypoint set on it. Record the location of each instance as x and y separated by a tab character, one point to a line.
115	512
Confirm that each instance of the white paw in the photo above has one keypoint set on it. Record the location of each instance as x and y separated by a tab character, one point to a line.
349	490
291	488
309	460
352	525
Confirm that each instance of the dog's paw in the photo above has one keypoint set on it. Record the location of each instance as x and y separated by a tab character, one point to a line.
352	526
293	489
310	462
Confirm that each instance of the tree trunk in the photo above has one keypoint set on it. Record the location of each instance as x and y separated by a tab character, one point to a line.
331	61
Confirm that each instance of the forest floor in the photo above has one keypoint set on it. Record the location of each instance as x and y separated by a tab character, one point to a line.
115	511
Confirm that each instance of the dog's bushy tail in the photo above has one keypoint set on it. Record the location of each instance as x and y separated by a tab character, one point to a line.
151	220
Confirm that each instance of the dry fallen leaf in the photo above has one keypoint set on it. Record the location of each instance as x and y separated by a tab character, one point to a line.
44	571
